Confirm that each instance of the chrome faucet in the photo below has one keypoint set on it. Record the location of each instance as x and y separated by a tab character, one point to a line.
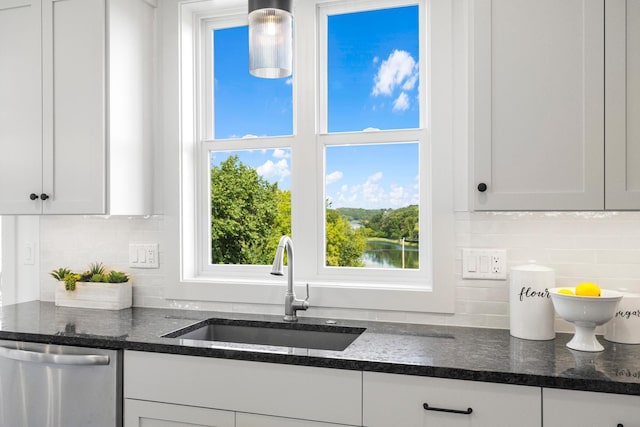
291	303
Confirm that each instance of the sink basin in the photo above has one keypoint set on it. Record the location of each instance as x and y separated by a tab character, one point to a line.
319	337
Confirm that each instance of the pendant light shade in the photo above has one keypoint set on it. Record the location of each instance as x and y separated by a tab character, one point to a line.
270	38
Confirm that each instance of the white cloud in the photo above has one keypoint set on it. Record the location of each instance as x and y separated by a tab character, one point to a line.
398	70
289	81
410	83
333	177
400	196
372	191
401	103
274	171
279	153
375	177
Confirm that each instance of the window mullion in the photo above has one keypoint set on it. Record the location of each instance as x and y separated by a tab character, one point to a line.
306	171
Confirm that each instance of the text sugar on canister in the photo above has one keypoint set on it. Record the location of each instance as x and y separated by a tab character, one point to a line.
530	307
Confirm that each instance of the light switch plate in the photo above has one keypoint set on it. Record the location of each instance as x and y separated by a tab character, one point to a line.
488	264
143	255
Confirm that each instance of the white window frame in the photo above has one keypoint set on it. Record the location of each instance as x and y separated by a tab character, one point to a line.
330	287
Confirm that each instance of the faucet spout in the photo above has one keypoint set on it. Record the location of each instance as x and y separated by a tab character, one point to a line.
291	303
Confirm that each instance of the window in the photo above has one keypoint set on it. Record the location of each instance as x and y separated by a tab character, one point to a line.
244	105
373	69
372	206
250	205
338	156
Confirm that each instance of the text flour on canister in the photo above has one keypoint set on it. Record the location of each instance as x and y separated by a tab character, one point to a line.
530	307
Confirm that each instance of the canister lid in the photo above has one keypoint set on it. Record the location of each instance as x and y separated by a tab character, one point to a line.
532	266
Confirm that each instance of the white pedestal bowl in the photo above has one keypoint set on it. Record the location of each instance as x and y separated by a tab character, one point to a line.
586	313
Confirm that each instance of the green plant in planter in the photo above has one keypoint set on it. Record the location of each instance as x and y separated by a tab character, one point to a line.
96	273
67	276
60	273
95	269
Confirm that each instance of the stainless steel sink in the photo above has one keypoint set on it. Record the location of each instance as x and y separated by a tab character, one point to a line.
320	337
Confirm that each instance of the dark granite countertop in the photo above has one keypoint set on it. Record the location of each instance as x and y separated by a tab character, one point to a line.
477	354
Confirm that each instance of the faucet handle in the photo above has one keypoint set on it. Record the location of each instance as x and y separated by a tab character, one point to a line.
307	298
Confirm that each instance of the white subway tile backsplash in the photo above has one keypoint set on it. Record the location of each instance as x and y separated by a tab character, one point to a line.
596	246
618	256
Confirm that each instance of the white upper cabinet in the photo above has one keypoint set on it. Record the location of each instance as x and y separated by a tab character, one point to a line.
538	104
74	138
89	151
20	106
622	94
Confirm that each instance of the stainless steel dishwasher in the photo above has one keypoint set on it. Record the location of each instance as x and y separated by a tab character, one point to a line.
44	385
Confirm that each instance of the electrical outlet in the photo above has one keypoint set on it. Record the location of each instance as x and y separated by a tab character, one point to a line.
143	255
488	264
496	264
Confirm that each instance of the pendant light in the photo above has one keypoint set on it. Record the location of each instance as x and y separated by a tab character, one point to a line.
270	38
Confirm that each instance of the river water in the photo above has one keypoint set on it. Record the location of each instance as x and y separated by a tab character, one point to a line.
381	254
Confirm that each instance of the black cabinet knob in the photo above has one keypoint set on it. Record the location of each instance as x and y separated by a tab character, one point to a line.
33	196
43	196
620	425
482	187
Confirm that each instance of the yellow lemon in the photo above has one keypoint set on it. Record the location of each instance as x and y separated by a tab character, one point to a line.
566	291
588	289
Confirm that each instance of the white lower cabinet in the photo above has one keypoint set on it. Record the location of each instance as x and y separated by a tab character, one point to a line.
140	413
587	409
398	400
253	420
284	395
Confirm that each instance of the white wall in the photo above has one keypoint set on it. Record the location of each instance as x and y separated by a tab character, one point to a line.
598	246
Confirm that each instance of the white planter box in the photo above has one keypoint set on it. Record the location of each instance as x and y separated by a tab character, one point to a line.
107	296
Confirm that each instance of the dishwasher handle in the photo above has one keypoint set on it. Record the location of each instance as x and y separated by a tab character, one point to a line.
54	359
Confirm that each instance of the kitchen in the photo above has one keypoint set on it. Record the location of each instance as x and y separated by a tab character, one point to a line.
580	244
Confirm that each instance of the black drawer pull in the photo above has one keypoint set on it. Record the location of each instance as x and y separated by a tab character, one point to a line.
620	425
452	411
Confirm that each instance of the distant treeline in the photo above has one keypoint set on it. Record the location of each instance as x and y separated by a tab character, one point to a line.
386	223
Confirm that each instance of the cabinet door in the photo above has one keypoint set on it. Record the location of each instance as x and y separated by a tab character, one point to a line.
20	106
74	158
319	394
398	400
622	98
253	420
538	109
586	409
140	413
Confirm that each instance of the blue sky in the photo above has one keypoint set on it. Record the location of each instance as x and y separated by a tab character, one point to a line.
372	176
365	176
373	83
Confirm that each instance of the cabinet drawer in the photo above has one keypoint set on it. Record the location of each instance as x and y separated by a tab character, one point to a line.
318	394
397	400
138	413
588	409
253	420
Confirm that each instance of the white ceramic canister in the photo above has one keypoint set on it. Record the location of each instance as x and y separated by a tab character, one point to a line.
625	326
531	310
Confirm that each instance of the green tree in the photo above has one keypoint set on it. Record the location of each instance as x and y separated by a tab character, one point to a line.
282	222
395	223
244	212
344	245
